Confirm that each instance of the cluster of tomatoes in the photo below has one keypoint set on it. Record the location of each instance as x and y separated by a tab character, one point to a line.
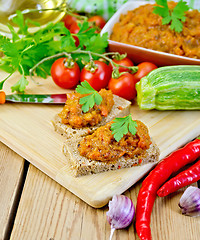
66	73
71	23
124	85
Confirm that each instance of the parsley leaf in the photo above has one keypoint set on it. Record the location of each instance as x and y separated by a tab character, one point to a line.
19	20
162	9
90	100
20	85
175	17
121	126
97	43
15	36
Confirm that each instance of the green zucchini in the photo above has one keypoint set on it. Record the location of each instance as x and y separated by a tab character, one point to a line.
170	88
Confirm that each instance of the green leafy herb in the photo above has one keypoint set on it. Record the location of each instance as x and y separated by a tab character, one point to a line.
121	126
20	85
175	17
90	100
24	50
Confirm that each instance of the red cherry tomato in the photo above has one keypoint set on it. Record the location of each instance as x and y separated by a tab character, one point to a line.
75	29
69	20
124	86
65	77
125	62
99	78
143	69
98	20
76	40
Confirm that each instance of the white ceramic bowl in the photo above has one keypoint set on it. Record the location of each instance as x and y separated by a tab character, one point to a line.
139	54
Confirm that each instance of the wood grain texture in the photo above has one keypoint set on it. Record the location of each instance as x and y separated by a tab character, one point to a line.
11	176
27	129
49	211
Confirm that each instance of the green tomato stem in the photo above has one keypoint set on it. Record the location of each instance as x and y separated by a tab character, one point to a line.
68	54
114	65
46	59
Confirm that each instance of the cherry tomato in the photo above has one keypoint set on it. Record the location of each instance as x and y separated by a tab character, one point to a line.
69	20
98	20
143	69
99	78
74	28
124	86
76	41
65	77
125	62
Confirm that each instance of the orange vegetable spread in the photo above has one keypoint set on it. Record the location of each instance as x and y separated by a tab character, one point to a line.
102	146
73	115
141	27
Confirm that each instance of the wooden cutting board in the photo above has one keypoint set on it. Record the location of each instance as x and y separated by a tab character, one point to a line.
27	129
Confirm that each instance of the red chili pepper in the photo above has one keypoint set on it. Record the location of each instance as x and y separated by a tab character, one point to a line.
189	176
155	179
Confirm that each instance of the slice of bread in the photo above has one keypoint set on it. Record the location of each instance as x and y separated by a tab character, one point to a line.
120	108
83	166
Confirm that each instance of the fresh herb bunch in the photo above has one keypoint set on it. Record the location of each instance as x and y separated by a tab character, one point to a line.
174	17
91	99
24	50
121	126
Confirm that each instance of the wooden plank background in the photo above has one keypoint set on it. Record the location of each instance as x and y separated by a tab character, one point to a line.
49	211
11	180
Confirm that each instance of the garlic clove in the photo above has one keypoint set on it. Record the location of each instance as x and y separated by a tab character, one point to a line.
190	202
121	212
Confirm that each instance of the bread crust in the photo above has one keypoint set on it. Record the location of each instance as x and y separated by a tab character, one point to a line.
83	166
120	108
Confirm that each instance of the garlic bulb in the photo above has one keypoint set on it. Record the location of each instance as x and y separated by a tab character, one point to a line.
121	212
190	202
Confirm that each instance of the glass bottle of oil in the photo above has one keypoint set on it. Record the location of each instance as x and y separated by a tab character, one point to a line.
9	7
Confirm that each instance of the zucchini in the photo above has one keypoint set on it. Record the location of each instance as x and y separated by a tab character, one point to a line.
170	88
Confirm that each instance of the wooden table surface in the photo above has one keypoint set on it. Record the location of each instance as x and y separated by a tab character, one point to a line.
35	207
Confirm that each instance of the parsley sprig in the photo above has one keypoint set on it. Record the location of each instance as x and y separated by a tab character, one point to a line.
121	126
174	17
90	100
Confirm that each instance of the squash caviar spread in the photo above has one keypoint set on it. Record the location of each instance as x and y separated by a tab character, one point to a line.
73	115
102	146
141	27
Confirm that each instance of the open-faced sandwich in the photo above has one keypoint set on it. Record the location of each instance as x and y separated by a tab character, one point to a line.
121	143
86	110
